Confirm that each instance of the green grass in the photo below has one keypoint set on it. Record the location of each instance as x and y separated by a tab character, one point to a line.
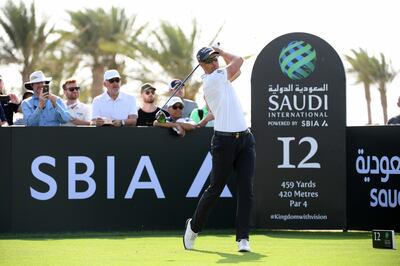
212	247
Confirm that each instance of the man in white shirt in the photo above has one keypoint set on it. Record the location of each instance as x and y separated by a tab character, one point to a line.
232	147
80	112
114	107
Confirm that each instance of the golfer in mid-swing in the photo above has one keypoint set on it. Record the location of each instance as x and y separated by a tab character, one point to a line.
232	146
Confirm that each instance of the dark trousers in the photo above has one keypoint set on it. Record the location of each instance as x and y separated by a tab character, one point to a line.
229	153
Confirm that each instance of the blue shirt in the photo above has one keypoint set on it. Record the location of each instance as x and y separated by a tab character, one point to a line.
48	116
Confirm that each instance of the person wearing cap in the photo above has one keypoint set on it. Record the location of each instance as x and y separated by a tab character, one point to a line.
80	112
147	113
10	103
114	107
189	104
232	146
43	108
175	120
203	117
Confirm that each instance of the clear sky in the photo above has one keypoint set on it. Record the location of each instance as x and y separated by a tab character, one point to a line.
250	25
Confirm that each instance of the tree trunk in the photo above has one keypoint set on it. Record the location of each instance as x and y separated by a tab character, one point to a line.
368	99
97	83
382	91
25	77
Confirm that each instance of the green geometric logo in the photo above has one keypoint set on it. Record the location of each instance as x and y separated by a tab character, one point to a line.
297	60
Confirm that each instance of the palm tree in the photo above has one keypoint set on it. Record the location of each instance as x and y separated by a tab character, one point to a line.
26	41
361	66
61	63
173	51
100	38
382	74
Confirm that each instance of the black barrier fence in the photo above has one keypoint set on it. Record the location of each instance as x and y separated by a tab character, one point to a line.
373	177
63	179
67	179
6	178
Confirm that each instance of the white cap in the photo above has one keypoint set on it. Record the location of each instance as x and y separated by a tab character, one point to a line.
36	77
175	100
112	73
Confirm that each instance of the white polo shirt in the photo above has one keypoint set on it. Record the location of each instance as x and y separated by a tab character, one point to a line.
78	110
104	106
223	102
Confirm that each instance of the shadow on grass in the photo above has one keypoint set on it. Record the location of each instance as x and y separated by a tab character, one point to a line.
233	258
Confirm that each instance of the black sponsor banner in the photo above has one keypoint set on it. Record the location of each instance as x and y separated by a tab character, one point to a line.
5	180
299	117
110	179
373	178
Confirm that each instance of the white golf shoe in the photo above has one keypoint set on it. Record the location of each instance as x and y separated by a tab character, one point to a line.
244	245
189	237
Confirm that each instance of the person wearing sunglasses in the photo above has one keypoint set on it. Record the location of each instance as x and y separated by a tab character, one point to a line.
147	113
80	112
232	146
189	104
176	121
43	108
113	107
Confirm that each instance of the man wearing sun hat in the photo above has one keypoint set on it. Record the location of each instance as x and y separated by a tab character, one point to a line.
43	108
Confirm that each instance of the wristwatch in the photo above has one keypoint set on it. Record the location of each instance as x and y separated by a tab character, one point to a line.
122	123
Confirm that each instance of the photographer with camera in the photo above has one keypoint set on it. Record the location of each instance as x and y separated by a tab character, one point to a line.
43	108
9	103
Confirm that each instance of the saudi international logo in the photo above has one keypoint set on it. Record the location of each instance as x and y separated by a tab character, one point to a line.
297	60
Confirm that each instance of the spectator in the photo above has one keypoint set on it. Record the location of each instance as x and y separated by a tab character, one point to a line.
189	104
395	120
80	112
203	117
113	107
3	120
19	121
175	121
10	104
43	108
147	114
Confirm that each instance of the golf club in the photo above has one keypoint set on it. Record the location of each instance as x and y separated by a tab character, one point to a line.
179	86
160	116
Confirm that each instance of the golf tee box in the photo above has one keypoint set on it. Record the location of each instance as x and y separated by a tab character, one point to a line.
383	239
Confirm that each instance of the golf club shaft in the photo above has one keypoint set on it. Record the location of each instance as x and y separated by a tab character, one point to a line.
179	86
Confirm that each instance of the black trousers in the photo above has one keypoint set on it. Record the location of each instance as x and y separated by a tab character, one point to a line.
230	153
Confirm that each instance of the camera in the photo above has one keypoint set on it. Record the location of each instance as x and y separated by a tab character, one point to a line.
46	88
4	98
